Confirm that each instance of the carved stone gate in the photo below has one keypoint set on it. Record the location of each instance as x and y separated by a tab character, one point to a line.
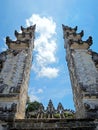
83	69
15	65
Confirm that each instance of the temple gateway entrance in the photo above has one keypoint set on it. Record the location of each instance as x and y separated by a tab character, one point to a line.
15	64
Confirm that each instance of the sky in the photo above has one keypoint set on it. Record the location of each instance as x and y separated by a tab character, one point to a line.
49	78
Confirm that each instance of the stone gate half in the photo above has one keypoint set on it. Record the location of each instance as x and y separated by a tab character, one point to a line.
15	64
83	69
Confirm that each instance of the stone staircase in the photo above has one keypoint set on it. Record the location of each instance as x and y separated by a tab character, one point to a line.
54	124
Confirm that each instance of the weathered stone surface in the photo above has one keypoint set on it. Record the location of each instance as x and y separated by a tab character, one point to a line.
15	64
53	124
83	73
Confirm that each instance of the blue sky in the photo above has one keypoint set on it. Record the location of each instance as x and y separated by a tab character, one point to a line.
49	73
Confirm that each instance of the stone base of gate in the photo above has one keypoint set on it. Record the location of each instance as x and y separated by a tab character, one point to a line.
52	124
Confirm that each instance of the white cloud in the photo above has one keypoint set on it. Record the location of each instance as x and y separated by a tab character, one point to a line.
40	90
33	98
48	72
45	46
33	93
44	25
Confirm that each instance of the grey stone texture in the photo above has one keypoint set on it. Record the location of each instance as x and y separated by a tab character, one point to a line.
82	65
15	64
53	124
14	74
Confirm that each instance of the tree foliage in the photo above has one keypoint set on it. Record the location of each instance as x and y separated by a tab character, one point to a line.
32	106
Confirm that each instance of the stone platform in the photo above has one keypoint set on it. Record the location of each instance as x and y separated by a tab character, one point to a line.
53	124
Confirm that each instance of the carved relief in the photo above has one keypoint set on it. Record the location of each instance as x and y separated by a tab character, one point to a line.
75	39
82	87
6	109
91	106
14	107
1	80
14	64
2	87
15	52
14	89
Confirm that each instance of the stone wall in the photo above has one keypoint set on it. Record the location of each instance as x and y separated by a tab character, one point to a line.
83	72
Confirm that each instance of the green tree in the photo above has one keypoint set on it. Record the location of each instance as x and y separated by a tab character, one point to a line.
32	106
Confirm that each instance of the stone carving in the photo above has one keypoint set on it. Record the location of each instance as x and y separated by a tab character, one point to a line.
75	34
91	106
81	33
75	28
83	87
23	35
66	28
15	89
74	38
16	33
11	90
15	52
28	28
89	41
12	108
18	43
8	40
2	87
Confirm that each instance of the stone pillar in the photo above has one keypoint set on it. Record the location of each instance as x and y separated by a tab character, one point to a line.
15	64
83	69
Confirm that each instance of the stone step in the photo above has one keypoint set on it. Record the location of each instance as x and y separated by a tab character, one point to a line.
54	124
